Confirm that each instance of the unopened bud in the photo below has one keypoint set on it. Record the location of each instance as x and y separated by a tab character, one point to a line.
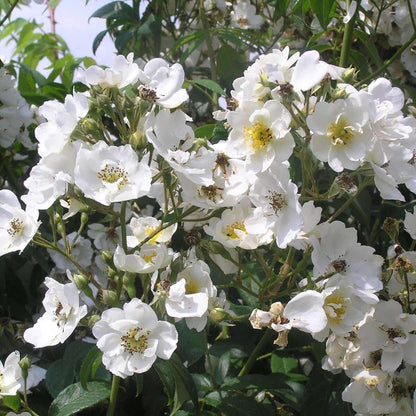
349	76
92	320
110	297
90	125
138	140
25	364
81	281
339	93
218	315
84	218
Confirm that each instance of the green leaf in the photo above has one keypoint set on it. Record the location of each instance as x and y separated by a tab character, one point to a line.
183	375
211	85
230	65
74	398
283	365
59	376
97	41
12	402
205	131
222	367
115	10
89	365
368	44
238	404
256	382
163	370
323	10
191	345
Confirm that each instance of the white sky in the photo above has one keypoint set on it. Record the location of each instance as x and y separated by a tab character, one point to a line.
72	24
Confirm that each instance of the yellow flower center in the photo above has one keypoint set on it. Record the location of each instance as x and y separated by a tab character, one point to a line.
113	174
133	343
258	136
149	258
230	229
150	230
339	132
335	308
191	287
15	227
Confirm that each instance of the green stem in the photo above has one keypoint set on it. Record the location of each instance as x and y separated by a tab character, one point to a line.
113	395
347	39
267	336
409	6
9	12
123	226
388	62
210	50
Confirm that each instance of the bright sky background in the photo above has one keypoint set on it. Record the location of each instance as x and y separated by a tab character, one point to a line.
72	24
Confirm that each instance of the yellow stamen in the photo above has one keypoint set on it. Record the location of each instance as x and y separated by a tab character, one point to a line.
230	229
335	308
131	343
339	132
258	136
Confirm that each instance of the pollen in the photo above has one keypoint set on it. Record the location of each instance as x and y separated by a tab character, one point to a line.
339	133
211	192
135	340
276	201
16	227
258	136
335	308
113	174
230	229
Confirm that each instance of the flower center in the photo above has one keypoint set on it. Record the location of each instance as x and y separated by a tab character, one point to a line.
230	229
150	230
258	136
15	227
211	192
276	201
113	174
149	257
335	308
191	287
135	341
339	132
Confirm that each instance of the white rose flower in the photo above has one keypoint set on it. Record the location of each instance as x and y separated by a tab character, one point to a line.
147	259
142	227
10	374
163	83
189	296
341	133
123	72
62	119
132	338
62	314
17	227
109	174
